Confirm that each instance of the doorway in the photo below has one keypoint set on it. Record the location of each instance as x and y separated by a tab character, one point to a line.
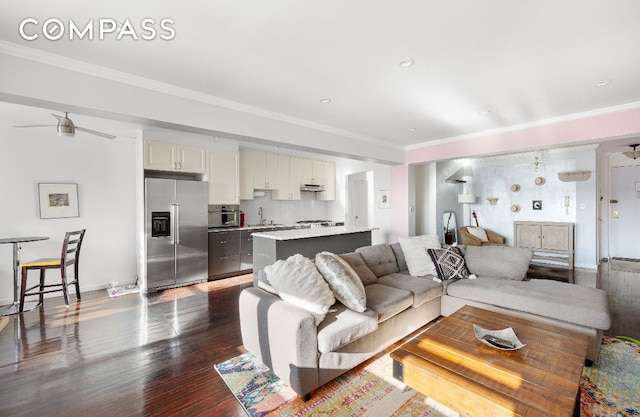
625	206
360	199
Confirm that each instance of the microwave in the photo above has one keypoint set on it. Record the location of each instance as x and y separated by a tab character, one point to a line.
224	216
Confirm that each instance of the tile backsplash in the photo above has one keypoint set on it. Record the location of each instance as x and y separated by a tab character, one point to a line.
285	212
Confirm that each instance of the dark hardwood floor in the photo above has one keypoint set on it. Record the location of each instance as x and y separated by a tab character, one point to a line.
129	356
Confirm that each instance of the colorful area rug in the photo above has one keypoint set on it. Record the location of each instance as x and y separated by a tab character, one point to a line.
610	388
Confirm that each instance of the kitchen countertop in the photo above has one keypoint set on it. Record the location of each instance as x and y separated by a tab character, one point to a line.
257	227
312	232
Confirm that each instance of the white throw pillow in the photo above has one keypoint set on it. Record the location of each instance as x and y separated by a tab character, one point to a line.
418	260
298	282
345	283
478	232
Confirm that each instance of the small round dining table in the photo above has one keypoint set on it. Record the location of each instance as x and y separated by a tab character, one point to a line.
16	241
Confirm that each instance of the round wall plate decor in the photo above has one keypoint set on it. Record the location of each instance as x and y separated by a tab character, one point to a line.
540	181
515	208
515	188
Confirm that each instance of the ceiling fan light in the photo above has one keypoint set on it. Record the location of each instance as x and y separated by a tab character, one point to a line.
65	129
65	126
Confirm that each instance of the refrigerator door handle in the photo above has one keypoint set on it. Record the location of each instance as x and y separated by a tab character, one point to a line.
177	223
172	220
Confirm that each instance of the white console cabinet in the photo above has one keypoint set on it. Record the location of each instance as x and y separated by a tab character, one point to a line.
552	242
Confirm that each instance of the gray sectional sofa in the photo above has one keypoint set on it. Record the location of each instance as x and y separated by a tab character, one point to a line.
304	355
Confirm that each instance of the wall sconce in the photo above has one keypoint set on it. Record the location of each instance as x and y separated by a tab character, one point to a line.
492	200
566	203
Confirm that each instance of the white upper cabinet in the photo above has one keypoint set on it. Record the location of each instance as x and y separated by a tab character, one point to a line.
289	169
164	156
246	175
328	179
223	176
265	170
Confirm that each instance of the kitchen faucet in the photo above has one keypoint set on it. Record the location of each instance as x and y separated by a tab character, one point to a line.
260	214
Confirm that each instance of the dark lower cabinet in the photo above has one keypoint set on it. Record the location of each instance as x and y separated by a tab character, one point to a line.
231	251
246	250
224	253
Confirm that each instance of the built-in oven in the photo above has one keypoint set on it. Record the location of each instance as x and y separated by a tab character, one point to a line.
224	216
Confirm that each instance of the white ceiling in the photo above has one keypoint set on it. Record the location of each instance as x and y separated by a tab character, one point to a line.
524	61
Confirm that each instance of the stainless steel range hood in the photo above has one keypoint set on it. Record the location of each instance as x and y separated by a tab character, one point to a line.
314	188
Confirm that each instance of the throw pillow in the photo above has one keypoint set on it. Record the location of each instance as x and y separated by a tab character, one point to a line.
478	232
418	261
343	281
449	263
298	282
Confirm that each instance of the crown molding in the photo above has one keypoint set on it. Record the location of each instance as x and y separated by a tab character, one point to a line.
43	57
524	126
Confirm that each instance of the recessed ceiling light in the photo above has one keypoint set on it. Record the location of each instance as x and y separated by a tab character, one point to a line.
484	112
602	83
325	100
405	63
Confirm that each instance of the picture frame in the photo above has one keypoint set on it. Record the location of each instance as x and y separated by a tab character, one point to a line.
58	200
384	199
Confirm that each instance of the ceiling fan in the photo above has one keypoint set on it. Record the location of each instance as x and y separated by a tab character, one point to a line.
65	127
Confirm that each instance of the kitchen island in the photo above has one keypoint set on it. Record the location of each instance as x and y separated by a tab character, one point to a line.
268	247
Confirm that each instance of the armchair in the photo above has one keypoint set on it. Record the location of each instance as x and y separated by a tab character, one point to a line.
472	239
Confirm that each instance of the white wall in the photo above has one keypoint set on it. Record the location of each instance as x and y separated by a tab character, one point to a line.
104	171
493	176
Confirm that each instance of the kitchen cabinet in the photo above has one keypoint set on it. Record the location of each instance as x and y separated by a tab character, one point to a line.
245	175
265	170
290	172
164	156
552	242
223	176
327	172
246	249
224	253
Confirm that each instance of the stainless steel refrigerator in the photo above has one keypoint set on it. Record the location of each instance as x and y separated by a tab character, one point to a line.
176	232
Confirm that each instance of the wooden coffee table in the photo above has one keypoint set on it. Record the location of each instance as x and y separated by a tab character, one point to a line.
448	364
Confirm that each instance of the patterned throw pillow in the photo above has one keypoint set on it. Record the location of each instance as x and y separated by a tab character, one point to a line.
449	263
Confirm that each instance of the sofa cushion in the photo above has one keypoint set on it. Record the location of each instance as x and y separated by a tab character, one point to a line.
387	301
298	282
397	251
449	263
416	256
379	258
343	280
355	260
423	289
343	325
506	262
557	300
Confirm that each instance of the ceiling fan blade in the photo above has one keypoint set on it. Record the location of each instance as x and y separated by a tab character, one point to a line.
36	126
95	132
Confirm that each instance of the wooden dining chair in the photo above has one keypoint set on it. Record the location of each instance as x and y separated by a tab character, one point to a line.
70	256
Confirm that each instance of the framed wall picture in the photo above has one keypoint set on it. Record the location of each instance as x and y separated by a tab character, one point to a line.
58	200
384	199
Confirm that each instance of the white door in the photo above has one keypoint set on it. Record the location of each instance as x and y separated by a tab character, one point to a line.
358	208
625	224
